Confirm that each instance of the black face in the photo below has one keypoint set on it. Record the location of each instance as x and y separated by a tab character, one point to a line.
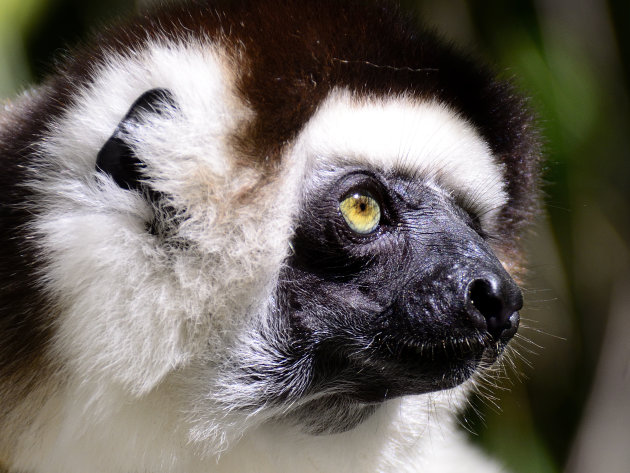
392	289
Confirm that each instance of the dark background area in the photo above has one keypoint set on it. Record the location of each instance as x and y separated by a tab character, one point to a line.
566	405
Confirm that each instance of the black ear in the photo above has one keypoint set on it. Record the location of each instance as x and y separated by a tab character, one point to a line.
116	157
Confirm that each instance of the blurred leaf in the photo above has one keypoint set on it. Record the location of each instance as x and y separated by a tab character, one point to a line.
15	17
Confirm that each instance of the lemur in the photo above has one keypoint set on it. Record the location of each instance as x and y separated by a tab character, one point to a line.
259	236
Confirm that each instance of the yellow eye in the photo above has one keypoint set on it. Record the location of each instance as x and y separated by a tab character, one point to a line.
361	212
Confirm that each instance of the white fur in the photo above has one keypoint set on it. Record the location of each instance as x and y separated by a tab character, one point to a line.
146	333
102	256
412	434
423	138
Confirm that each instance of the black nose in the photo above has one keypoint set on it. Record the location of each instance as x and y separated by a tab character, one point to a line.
494	302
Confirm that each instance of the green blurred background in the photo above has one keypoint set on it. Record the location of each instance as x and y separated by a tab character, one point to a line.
566	406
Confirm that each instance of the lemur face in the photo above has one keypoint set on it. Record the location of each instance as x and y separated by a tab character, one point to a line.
390	278
245	218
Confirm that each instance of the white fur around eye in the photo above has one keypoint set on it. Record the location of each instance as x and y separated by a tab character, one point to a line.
420	138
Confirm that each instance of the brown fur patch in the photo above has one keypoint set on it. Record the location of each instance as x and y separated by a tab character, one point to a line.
25	312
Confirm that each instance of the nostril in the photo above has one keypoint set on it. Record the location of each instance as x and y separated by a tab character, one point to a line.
483	296
496	300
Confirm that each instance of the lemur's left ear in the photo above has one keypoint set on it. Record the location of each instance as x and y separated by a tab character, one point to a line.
116	157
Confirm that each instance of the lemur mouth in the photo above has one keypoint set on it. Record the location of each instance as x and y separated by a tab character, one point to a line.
391	369
449	350
443	363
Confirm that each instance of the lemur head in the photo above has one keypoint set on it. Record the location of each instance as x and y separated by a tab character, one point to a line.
284	213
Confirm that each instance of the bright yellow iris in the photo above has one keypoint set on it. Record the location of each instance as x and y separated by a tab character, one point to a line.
362	213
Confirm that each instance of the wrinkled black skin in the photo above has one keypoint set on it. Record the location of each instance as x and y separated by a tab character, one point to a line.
386	314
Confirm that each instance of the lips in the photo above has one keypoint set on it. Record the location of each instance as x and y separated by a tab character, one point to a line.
390	368
423	366
448	349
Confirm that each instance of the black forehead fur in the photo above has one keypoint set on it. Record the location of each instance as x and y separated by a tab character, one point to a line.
295	52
